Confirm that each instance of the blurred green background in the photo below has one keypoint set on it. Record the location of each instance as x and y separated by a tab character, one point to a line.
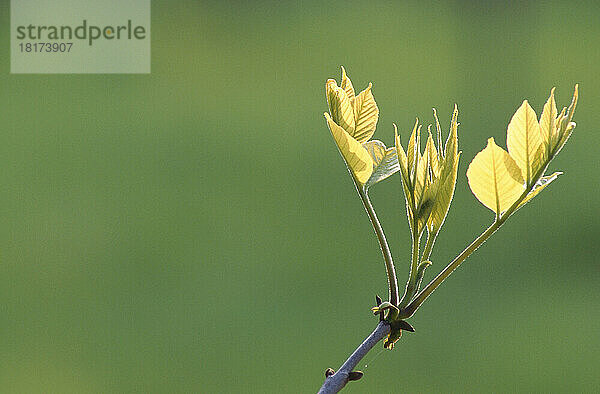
195	230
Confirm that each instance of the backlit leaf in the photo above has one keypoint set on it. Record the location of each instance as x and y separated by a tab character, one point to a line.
340	106
356	156
346	84
443	188
385	161
433	156
421	176
444	185
438	129
566	126
404	168
366	115
548	119
412	149
539	186
451	148
524	141
494	178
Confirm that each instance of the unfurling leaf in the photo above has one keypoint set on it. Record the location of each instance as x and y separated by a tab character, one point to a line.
340	106
429	178
385	161
444	183
366	115
524	141
352	121
494	178
539	186
433	156
356	156
548	122
443	188
346	84
564	125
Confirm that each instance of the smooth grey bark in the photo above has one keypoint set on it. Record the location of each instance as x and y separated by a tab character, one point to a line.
338	380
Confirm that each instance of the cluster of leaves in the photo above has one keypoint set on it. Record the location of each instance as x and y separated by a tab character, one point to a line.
429	178
503	181
499	178
352	121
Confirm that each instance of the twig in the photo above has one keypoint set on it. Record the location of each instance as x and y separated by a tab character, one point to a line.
334	383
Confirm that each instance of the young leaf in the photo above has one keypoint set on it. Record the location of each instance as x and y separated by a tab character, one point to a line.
548	120
340	106
438	129
494	178
366	115
356	156
413	149
451	148
346	84
524	141
433	156
540	185
421	175
385	161
444	191
402	159
404	171
565	126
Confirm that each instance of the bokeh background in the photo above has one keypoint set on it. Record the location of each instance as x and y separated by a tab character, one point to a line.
195	230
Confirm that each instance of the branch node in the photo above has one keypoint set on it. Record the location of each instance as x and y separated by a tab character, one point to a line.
355	375
329	372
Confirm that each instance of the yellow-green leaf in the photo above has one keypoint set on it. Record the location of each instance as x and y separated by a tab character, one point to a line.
444	185
451	148
524	141
407	184
404	169
548	119
421	176
356	156
565	126
402	159
412	151
494	178
540	185
340	106
385	161
438	129
443	188
346	84
366	115
433	156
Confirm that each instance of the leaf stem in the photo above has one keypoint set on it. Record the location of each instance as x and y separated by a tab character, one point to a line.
385	250
410	289
429	245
